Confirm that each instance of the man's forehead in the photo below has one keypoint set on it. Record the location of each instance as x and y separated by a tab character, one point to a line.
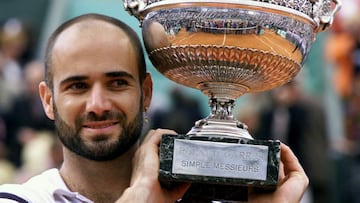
89	28
88	38
93	32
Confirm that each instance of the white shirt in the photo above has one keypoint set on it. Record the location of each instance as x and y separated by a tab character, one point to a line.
46	187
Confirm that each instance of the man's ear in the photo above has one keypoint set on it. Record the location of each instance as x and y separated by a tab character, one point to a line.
47	99
147	88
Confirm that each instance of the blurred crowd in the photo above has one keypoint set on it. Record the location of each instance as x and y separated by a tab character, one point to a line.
300	119
28	144
342	51
27	141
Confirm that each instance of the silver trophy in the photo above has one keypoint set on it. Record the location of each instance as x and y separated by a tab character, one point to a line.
226	49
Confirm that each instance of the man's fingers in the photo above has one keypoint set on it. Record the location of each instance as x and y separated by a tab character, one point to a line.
292	167
290	161
281	171
154	136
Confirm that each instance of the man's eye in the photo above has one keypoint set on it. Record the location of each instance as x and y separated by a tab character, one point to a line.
78	86
118	83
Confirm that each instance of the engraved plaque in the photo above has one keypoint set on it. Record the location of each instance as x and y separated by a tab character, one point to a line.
218	167
220	159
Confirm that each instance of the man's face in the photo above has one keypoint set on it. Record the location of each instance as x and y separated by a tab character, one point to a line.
97	100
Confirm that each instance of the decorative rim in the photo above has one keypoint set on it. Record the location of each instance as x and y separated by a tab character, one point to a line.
319	12
254	4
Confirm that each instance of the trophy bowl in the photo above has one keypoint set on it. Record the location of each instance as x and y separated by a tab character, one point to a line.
226	49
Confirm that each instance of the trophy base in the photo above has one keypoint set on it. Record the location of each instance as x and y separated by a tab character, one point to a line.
219	168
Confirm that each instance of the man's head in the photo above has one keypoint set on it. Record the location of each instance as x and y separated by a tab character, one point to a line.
96	86
136	43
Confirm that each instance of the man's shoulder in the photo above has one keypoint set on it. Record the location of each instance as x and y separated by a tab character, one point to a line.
6	197
38	188
48	179
13	193
45	187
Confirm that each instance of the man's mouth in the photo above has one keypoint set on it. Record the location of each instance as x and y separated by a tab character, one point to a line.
100	124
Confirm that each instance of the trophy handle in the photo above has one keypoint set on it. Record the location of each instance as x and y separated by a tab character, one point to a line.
325	21
135	7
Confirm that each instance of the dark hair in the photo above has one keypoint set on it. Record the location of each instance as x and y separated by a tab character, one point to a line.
134	39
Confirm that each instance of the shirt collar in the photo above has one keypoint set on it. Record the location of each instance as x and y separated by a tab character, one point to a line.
59	189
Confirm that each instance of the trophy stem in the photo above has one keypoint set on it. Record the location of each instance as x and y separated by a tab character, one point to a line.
221	108
221	121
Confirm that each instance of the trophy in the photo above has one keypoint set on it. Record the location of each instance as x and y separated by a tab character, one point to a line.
226	49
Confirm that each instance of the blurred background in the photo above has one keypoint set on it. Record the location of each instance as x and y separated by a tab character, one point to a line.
317	114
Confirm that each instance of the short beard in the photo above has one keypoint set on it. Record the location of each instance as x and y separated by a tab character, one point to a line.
102	150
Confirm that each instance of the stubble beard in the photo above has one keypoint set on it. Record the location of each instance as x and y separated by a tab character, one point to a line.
102	149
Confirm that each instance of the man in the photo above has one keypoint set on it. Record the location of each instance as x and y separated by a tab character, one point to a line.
96	91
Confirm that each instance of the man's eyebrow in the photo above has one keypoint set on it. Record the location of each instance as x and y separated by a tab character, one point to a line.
119	74
73	79
112	74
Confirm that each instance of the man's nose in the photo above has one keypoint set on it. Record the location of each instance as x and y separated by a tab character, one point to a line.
98	101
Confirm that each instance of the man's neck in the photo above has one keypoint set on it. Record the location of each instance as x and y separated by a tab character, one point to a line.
98	181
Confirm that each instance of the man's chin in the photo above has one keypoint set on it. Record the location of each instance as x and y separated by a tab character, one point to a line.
105	150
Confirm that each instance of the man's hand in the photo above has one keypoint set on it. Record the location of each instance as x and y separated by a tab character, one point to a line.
145	186
292	181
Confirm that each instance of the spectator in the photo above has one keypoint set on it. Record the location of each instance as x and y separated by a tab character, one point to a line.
181	116
7	169
300	123
26	112
37	156
13	42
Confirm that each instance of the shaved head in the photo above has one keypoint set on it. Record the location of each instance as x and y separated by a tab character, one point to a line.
89	23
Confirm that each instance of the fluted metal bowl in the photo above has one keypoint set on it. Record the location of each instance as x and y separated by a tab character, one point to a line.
228	48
